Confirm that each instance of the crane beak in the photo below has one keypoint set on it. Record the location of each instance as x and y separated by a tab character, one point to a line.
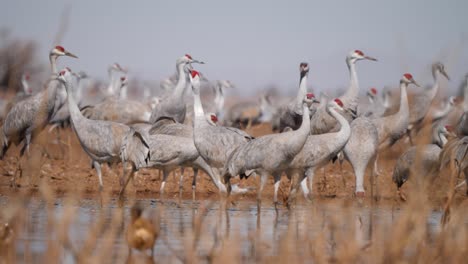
69	54
315	100
415	83
197	61
444	73
370	58
351	112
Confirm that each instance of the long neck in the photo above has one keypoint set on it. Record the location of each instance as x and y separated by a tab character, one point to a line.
25	86
345	130
198	108
404	108
219	99
53	63
123	92
351	95
181	82
302	92
75	112
112	80
304	129
435	88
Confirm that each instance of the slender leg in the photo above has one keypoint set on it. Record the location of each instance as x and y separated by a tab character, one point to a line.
375	178
165	174
263	179
310	178
97	166
275	198
125	183
376	168
194	182
181	183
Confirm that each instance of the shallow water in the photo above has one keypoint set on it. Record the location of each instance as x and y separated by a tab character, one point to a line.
176	221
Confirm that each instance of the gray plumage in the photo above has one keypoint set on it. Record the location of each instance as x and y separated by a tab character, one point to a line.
421	103
291	114
392	127
426	156
105	141
173	105
321	121
318	150
270	154
32	114
120	110
456	150
214	143
361	149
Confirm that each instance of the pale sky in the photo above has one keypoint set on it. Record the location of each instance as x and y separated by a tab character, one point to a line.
253	43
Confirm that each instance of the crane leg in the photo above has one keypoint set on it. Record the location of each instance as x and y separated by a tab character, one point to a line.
97	166
194	182
181	182
275	197
373	177
263	179
27	142
124	185
375	168
165	174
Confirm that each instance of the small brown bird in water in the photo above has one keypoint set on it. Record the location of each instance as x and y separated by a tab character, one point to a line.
141	233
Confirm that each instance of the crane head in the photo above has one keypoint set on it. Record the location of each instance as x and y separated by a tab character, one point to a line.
187	59
438	66
64	75
372	93
311	97
304	67
195	80
356	55
339	103
116	67
214	118
408	78
123	80
60	51
225	84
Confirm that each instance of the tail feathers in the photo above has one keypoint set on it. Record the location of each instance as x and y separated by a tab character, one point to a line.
135	149
87	111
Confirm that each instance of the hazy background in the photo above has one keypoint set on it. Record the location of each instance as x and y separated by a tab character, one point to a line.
252	43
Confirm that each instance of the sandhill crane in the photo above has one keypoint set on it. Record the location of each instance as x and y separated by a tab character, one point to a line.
422	102
440	114
321	121
271	154
361	149
214	143
318	150
20	95
29	116
291	114
391	128
167	126
219	90
104	141
173	105
376	107
426	156
141	233
115	72
368	135
119	110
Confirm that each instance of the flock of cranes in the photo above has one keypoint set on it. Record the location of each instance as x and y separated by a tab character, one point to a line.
169	133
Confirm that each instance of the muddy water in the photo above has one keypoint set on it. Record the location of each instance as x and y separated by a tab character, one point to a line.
240	221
